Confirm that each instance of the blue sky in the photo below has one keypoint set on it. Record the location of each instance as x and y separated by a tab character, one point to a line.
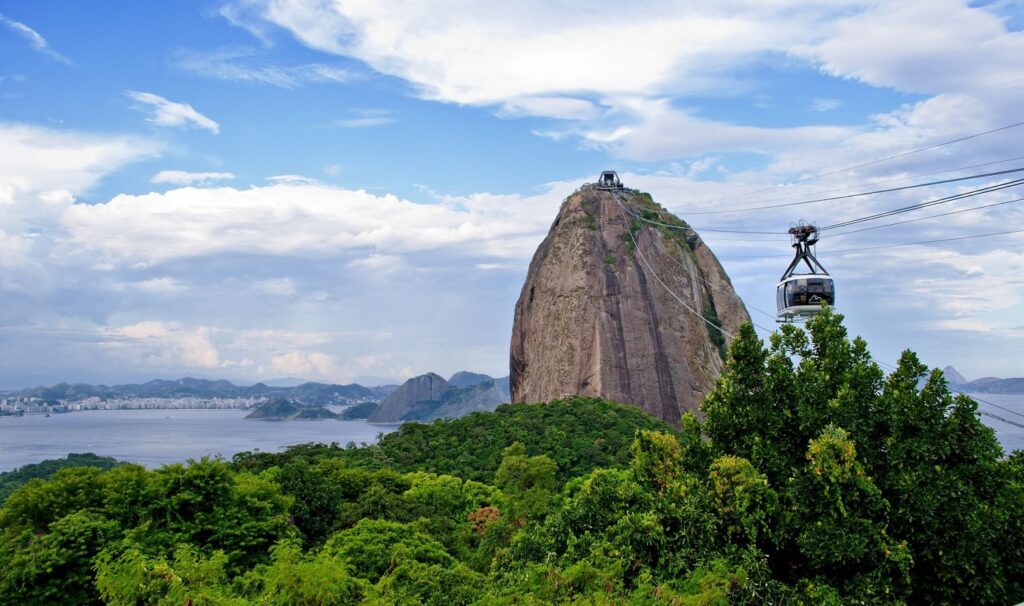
342	190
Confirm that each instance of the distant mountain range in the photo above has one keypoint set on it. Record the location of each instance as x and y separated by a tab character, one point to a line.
984	384
306	393
464	392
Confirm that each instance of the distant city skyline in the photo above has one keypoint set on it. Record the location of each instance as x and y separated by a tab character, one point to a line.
257	189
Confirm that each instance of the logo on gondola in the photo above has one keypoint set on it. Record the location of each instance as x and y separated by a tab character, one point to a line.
815	299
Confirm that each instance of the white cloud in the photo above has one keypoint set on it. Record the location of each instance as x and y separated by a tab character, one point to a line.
565	108
300	363
162	285
292	180
170	113
621	77
364	118
247	65
35	40
39	159
494	52
652	128
937	46
305	218
181	177
162	345
825	105
275	286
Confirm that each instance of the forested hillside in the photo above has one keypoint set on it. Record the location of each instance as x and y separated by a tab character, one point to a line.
813	478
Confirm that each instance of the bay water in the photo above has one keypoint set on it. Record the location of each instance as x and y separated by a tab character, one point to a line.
155	437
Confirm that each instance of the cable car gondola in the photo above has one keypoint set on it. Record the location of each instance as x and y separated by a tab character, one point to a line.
799	296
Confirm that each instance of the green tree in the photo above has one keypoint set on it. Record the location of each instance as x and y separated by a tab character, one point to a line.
373	547
936	469
55	567
189	578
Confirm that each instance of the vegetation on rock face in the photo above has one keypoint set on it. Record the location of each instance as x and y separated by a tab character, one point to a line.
813	479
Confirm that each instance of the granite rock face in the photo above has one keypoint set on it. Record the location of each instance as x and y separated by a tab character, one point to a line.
417	389
595	316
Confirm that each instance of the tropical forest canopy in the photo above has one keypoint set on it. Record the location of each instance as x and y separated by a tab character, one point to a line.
813	478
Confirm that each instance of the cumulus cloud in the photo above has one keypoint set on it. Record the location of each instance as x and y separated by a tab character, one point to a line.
619	82
938	46
304	218
181	177
35	40
299	363
169	113
163	345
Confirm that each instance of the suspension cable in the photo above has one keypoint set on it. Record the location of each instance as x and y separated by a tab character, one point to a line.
640	254
873	162
857	195
976	399
853	250
920	205
874	182
657	245
955	212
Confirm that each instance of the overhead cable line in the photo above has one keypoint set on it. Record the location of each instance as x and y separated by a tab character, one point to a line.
857	195
873	162
955	212
920	205
640	254
852	250
976	399
935	202
640	217
988	414
677	262
873	182
992	404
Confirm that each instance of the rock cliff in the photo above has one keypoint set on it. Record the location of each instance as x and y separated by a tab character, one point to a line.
595	316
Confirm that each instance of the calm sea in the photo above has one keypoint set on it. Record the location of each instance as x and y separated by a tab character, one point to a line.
155	437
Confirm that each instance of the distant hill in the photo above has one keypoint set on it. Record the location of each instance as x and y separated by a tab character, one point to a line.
984	384
421	398
430	396
281	409
306	393
464	378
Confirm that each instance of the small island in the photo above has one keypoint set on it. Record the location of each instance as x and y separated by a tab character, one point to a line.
282	409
